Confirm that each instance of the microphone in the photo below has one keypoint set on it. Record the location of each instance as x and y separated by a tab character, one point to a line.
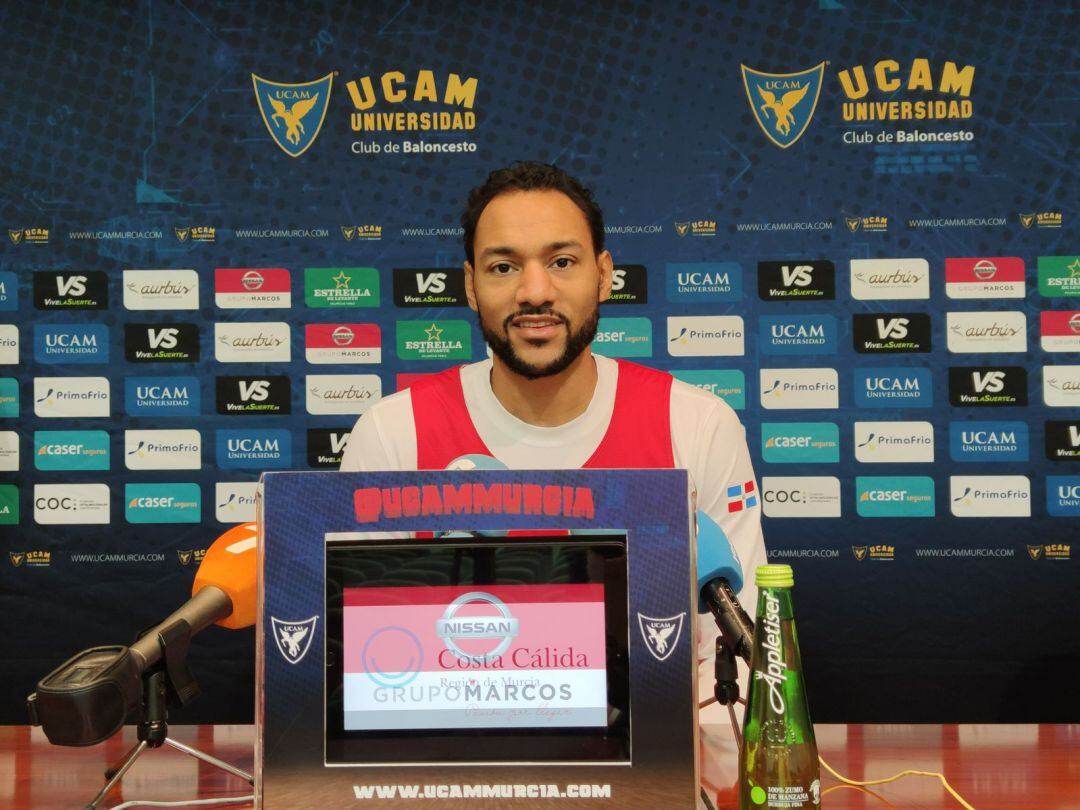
88	698
719	576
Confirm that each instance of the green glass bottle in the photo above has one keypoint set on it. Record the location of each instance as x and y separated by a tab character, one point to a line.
778	759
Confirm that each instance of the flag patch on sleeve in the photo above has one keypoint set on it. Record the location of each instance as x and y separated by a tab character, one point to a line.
741	496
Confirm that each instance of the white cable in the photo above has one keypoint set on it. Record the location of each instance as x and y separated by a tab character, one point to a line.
192	803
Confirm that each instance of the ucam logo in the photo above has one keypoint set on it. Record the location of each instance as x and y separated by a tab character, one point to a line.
624	337
342	393
996	332
893	387
162	449
56	343
71	450
728	384
293	113
162	503
783	103
703	281
1061	386
1063	495
993	277
706	336
988	386
342	343
799	388
801	496
799	279
807	334
800	443
890	279
894	497
67	397
235	501
71	504
894	442
982	442
258	342
254	449
252	288
161	289
161	396
990	496
9	291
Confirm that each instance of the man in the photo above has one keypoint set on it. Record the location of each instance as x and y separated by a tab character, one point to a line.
535	273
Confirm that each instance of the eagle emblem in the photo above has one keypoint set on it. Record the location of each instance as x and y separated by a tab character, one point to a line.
783	103
661	635
293	113
293	638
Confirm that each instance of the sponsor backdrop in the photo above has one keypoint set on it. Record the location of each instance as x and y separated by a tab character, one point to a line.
227	233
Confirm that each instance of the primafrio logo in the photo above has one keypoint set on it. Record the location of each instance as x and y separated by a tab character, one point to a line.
890	279
894	442
894	496
1061	386
162	449
990	495
71	504
67	397
9	345
342	393
67	343
258	342
988	386
702	281
802	334
981	332
783	103
235	502
891	333
624	337
249	396
429	287
161	289
343	343
161	343
293	639
325	447
254	449
252	288
801	496
85	289
1059	330
162	396
706	336
661	635
71	450
293	113
894	387
990	277
983	442
795	388
797	280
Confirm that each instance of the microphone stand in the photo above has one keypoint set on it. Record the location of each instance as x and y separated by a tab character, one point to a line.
170	679
735	639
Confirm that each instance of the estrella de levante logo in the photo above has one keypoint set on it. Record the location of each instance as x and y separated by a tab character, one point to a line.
293	113
783	103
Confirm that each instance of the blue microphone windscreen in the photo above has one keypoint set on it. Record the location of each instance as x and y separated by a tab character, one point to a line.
715	556
476	461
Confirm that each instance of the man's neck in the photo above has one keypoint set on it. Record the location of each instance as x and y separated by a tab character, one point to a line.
547	401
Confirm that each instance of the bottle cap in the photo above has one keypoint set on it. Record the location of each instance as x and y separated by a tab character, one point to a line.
774	576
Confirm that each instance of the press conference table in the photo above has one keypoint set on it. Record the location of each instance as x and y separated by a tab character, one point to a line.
992	766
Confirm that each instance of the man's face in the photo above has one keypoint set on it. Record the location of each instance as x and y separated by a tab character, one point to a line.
536	282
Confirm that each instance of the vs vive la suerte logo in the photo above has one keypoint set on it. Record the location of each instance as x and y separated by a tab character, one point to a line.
293	113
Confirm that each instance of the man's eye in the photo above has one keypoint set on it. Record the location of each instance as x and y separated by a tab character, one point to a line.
563	262
502	268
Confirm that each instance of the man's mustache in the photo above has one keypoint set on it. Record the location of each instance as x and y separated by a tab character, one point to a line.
547	311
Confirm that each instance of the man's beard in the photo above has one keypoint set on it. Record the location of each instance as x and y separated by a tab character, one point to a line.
576	342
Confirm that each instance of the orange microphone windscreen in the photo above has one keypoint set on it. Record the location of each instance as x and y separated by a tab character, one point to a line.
231	565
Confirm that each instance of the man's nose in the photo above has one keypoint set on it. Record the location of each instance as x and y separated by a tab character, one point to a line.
535	288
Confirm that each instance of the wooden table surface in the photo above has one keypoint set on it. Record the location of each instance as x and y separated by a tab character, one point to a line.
994	767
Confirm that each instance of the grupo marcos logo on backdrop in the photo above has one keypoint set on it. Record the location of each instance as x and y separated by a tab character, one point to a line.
293	113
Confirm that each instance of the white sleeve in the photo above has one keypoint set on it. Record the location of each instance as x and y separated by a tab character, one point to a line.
384	438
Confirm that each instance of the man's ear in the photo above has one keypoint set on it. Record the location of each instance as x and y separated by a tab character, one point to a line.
607	266
470	292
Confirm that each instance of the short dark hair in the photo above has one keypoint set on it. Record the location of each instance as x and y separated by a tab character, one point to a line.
525	175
